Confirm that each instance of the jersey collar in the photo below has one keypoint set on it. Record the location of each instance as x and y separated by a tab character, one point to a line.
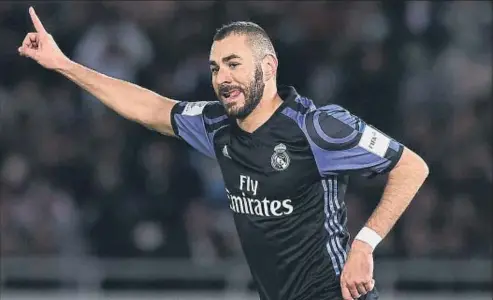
287	93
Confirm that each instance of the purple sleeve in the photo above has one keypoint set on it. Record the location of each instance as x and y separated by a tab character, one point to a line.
196	123
344	143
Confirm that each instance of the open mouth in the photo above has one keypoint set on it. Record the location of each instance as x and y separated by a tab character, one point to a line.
230	95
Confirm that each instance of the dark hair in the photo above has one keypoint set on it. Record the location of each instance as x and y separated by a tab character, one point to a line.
257	37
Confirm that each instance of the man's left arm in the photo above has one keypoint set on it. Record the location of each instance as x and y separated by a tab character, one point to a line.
344	144
404	181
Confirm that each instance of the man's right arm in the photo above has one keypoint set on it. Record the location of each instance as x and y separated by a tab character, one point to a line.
190	121
131	101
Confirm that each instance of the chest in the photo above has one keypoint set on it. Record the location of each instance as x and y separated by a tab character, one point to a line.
271	166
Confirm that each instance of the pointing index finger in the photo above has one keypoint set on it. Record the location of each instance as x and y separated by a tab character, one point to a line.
36	22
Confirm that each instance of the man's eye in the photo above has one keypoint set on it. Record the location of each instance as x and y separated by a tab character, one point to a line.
233	65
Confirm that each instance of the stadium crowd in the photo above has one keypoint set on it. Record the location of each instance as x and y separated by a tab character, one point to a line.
77	178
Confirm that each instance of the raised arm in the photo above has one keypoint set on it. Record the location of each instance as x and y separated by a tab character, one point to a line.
127	99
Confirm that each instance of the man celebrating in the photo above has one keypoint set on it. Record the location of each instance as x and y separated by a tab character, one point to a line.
285	162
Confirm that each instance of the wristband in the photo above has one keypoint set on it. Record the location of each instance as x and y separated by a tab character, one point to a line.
368	236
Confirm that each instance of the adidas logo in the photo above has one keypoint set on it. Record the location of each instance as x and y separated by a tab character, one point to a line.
225	152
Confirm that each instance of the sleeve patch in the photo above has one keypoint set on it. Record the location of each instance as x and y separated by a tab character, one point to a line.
374	141
194	108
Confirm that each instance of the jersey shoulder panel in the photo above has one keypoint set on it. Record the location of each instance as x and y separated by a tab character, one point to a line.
343	143
198	122
333	127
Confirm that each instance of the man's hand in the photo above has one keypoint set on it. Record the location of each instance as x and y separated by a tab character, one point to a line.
357	275
41	46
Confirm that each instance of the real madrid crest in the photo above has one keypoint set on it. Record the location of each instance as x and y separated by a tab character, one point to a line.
280	159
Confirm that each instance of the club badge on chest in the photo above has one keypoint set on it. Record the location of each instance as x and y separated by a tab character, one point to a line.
280	159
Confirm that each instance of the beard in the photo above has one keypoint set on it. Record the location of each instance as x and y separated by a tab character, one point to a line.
253	94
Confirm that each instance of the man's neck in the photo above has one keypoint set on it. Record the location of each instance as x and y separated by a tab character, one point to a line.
264	110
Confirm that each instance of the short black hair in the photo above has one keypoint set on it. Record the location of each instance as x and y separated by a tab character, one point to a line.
257	37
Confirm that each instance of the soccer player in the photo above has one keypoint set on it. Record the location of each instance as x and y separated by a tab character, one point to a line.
285	162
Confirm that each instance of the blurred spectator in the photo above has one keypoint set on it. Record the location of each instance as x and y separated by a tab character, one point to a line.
113	46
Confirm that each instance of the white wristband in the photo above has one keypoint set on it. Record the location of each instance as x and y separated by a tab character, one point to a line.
369	236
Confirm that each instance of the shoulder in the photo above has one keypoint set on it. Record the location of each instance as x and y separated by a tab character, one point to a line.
209	109
333	127
334	119
198	116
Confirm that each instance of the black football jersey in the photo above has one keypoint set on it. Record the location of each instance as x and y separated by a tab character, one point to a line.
286	183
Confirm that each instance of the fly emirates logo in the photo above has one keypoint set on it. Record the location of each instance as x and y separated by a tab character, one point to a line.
244	204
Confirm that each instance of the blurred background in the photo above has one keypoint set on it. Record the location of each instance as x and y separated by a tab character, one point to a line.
94	205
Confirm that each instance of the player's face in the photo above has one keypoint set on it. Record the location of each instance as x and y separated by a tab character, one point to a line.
237	77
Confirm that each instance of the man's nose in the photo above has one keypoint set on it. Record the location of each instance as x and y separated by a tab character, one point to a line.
223	77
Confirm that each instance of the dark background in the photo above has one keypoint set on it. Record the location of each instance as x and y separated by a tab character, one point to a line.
78	180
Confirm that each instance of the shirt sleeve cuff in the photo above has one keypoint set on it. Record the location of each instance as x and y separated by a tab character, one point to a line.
175	110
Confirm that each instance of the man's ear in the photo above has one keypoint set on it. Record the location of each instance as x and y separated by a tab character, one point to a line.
269	65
